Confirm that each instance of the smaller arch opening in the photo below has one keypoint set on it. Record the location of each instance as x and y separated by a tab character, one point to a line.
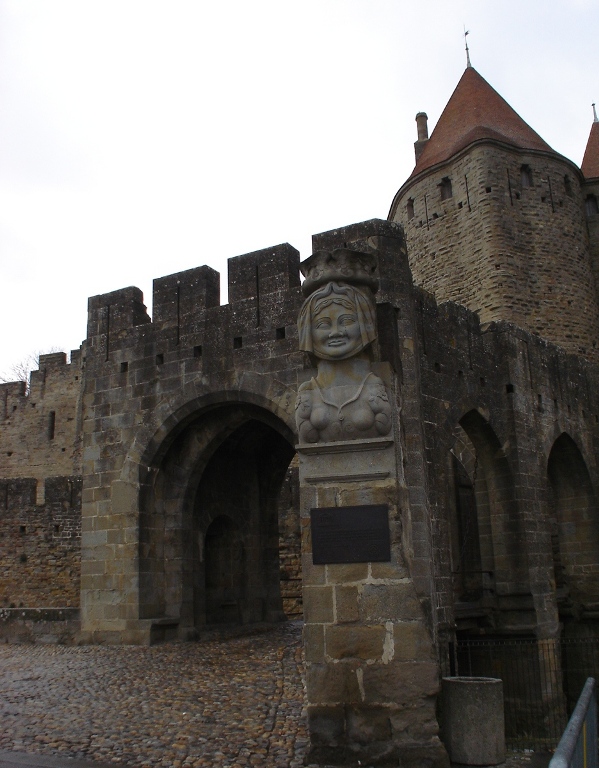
225	557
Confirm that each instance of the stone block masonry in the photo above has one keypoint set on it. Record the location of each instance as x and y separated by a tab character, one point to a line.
189	493
196	368
40	433
510	245
40	544
40	486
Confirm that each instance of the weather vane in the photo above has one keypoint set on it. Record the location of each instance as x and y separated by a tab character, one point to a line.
466	33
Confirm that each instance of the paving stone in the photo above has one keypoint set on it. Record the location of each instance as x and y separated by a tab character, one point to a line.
232	703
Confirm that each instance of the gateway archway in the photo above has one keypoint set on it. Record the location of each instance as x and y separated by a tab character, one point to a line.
209	526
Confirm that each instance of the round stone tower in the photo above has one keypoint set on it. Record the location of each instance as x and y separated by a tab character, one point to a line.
590	192
495	220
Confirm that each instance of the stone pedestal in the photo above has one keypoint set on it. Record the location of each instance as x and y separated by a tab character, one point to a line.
472	719
372	676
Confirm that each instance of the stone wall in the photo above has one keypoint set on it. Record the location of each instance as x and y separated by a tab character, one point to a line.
505	244
290	558
40	544
467	389
162	398
39	625
40	487
40	433
187	497
522	418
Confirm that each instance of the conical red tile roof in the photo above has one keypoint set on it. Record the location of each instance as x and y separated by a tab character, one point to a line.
590	161
476	111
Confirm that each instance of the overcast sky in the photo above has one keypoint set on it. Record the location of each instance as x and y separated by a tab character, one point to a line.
142	138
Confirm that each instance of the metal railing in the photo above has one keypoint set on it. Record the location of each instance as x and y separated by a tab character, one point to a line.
578	745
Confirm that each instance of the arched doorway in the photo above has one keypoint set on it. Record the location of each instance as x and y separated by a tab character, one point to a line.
468	568
225	572
574	520
488	553
574	526
209	521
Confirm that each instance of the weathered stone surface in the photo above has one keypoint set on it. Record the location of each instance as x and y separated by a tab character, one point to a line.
412	642
416	724
318	605
346	604
357	642
393	570
40	544
400	682
326	725
332	683
474	274
385	602
368	725
346	573
314	642
313	574
345	400
472	720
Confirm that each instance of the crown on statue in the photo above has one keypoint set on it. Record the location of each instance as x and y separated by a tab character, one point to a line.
339	266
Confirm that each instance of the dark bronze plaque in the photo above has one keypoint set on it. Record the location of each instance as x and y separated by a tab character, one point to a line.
350	534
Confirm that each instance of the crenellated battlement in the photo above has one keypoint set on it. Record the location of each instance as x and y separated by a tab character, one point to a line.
191	334
258	282
179	298
111	313
40	426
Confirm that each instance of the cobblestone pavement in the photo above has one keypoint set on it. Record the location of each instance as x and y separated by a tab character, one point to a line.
234	703
228	704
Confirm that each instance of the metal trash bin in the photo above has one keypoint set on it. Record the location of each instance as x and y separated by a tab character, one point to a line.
472	720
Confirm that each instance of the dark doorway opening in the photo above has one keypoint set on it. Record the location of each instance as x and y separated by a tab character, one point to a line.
219	522
237	567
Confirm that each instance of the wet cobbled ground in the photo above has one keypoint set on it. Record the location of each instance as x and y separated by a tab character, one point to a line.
234	702
229	702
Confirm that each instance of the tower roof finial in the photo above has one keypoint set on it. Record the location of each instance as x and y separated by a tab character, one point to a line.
466	33
596	119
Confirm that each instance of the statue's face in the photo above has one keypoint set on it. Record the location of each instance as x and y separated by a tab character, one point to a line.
336	332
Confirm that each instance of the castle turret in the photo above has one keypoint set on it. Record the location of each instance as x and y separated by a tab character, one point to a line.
590	171
494	220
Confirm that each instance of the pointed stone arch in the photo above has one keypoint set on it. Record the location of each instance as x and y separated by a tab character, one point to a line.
486	509
227	464
498	507
574	521
466	555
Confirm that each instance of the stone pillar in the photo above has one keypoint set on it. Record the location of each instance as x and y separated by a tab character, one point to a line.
371	671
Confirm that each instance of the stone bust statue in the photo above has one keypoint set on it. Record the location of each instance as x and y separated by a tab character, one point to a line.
337	325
